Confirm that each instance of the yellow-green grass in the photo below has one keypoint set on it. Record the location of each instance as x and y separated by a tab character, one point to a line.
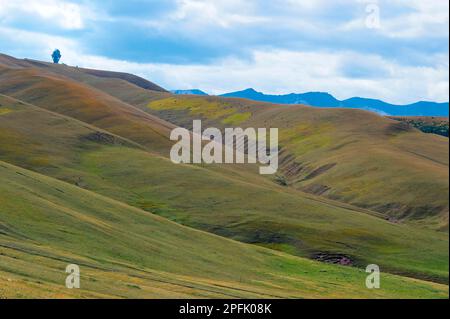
202	108
125	252
4	110
237	118
248	209
196	107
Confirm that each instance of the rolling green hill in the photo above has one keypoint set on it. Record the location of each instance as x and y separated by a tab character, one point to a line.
345	155
101	138
247	207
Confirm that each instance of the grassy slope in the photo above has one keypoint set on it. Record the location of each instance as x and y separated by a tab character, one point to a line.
127	252
270	215
70	98
347	155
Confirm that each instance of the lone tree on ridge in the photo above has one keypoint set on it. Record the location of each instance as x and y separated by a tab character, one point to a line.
56	56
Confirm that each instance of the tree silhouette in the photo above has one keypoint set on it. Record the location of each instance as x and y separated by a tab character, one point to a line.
56	56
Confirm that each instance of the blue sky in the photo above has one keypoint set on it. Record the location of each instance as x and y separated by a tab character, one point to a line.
395	50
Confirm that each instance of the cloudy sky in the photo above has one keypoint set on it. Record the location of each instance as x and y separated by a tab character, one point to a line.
396	50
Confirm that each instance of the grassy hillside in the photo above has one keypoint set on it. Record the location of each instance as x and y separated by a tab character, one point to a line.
126	252
346	155
249	209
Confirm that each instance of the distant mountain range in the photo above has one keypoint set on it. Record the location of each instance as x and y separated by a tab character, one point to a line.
323	99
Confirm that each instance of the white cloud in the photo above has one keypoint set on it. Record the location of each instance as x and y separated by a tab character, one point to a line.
399	18
66	15
198	15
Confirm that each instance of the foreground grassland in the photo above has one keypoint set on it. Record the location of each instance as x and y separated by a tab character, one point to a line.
127	252
87	180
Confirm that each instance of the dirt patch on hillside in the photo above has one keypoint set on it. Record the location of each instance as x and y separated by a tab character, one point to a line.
289	166
322	169
398	128
332	258
401	212
106	139
316	189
